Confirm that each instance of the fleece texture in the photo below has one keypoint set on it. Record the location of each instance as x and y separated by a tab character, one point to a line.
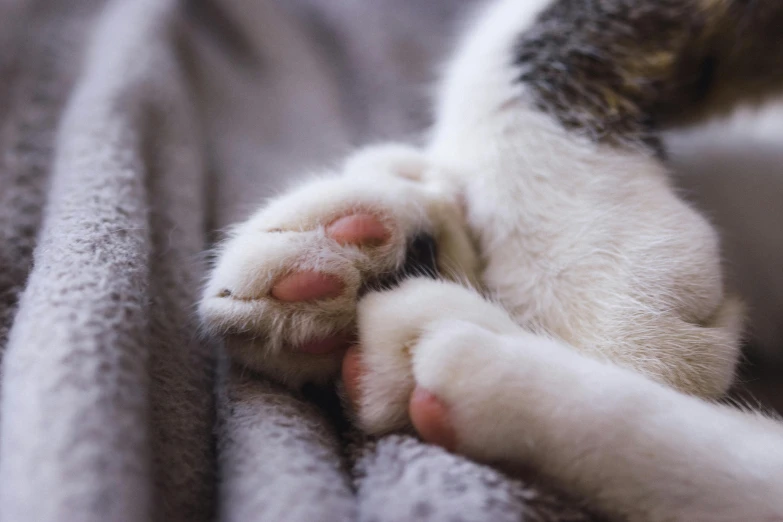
131	133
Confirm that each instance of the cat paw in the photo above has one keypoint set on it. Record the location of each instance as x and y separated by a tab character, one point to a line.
441	336
284	287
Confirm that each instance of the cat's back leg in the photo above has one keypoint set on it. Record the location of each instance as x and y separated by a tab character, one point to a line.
550	112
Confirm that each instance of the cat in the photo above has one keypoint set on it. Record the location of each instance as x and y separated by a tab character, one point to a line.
579	323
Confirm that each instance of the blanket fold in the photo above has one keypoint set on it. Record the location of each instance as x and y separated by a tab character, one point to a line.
131	133
131	130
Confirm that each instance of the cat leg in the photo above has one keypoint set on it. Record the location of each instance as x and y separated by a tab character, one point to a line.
635	448
550	114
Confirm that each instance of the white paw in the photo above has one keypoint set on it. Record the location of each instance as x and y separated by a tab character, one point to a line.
499	382
426	332
284	288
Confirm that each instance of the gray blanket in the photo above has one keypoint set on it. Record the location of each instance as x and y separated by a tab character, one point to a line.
130	132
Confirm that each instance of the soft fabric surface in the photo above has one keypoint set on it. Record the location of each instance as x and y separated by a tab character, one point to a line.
130	132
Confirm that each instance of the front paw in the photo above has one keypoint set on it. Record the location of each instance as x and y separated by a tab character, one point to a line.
430	333
284	289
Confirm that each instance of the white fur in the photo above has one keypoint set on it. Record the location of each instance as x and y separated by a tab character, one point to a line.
288	235
581	241
609	293
639	449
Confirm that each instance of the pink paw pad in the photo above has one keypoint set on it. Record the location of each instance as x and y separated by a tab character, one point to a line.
307	286
355	229
430	417
358	229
